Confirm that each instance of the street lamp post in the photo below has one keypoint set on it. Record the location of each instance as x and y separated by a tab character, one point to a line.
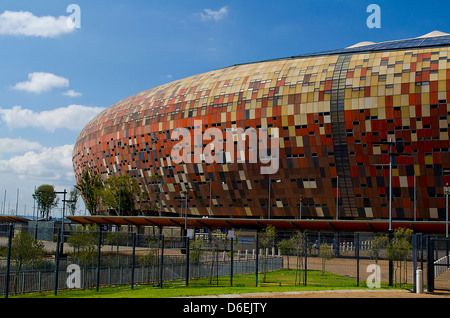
186	211
210	197
186	207
62	219
62	226
337	197
390	143
270	186
300	208
446	210
415	194
120	192
268	209
160	196
390	185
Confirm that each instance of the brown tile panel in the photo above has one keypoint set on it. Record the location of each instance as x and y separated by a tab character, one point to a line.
329	110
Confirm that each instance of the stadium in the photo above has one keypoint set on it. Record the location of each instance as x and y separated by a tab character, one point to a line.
336	127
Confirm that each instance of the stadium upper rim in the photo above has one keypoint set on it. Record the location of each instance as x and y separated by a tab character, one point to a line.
432	39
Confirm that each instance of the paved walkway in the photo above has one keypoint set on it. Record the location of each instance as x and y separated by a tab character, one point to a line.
341	293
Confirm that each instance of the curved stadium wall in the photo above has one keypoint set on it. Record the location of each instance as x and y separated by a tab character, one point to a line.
330	115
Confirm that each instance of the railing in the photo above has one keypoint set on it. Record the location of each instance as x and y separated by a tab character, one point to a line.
441	265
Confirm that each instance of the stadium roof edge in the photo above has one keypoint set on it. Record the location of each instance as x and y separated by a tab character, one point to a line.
413	43
282	224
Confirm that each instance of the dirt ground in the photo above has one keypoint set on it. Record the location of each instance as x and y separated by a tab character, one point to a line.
347	267
363	293
343	293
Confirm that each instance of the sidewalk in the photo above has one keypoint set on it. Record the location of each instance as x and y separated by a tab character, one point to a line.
340	293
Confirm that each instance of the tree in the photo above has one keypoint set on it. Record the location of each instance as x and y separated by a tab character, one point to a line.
25	250
196	251
326	253
85	244
121	193
286	247
90	187
73	199
46	198
149	200
266	240
218	243
116	238
398	250
378	244
298	241
150	258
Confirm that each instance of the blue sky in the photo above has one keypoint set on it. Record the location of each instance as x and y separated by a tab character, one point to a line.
53	79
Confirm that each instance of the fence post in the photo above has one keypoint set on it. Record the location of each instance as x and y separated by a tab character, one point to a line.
414	256
187	260
36	230
447	255
391	263
8	260
58	240
306	258
98	255
161	263
430	265
232	259
357	259
337	243
256	259
133	260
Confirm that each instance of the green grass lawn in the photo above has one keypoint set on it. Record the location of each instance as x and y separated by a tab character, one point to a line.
276	281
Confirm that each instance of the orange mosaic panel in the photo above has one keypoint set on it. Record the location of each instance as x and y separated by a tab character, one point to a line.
331	111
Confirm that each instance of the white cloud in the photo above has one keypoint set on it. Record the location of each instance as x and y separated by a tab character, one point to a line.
39	82
72	93
12	145
73	117
27	24
48	164
209	14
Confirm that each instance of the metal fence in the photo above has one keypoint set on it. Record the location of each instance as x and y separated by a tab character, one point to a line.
361	256
438	273
31	261
91	259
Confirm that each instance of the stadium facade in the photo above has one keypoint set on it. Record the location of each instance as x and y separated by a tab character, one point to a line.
337	118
